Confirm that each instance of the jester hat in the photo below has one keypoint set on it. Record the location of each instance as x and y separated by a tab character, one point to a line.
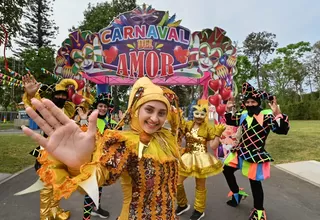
104	98
49	91
62	86
249	92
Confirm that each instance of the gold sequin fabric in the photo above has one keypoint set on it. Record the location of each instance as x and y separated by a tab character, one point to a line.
198	162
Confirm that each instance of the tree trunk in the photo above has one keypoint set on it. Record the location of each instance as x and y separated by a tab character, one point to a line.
192	93
115	97
310	83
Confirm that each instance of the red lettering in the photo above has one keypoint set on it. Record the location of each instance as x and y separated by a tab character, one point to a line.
137	63
152	64
128	32
122	65
140	31
166	64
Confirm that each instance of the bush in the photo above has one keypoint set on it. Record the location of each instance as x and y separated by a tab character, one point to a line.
309	110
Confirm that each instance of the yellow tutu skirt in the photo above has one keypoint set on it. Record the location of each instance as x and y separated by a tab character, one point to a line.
200	165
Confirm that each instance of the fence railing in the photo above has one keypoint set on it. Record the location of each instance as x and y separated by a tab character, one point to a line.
8	116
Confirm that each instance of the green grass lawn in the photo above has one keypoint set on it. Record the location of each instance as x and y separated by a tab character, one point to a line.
6	126
14	154
302	143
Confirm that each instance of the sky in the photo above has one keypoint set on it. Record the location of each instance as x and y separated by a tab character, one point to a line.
291	20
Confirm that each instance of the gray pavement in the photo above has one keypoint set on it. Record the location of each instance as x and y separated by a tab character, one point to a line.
286	198
4	176
306	170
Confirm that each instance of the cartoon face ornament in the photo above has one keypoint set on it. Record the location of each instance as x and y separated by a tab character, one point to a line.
208	57
84	58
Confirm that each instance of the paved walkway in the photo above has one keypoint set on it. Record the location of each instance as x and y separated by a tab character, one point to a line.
286	198
306	170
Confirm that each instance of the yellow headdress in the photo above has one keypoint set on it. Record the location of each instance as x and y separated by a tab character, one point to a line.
201	109
144	91
62	85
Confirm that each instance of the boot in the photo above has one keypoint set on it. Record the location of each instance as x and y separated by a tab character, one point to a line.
57	212
258	215
199	204
45	204
236	198
182	200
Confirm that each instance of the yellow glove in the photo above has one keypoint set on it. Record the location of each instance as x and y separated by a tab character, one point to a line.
219	129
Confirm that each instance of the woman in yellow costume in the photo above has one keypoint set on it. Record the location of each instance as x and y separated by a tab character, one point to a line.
148	153
198	162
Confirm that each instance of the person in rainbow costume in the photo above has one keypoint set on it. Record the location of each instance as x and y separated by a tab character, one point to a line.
198	162
250	155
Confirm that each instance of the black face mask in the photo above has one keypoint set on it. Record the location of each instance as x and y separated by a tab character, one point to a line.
59	102
253	110
102	116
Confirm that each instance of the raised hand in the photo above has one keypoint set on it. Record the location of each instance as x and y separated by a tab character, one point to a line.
275	107
30	84
83	115
231	105
66	141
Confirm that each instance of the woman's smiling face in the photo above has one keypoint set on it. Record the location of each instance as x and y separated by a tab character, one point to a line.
152	116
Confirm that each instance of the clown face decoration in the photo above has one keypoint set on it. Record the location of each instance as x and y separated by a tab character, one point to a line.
84	58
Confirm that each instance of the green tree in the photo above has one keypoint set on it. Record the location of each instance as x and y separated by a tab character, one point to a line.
244	71
38	30
97	17
10	96
313	67
257	47
11	12
34	60
182	92
294	67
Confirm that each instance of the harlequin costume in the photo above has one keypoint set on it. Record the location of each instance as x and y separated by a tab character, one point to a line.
151	161
49	207
198	162
103	122
250	155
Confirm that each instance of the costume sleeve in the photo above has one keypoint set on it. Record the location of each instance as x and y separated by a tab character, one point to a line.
232	119
108	161
215	131
69	109
27	99
176	120
278	124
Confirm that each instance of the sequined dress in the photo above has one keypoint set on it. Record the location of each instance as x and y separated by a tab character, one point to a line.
196	158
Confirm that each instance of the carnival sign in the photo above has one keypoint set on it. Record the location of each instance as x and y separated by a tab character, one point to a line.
147	42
